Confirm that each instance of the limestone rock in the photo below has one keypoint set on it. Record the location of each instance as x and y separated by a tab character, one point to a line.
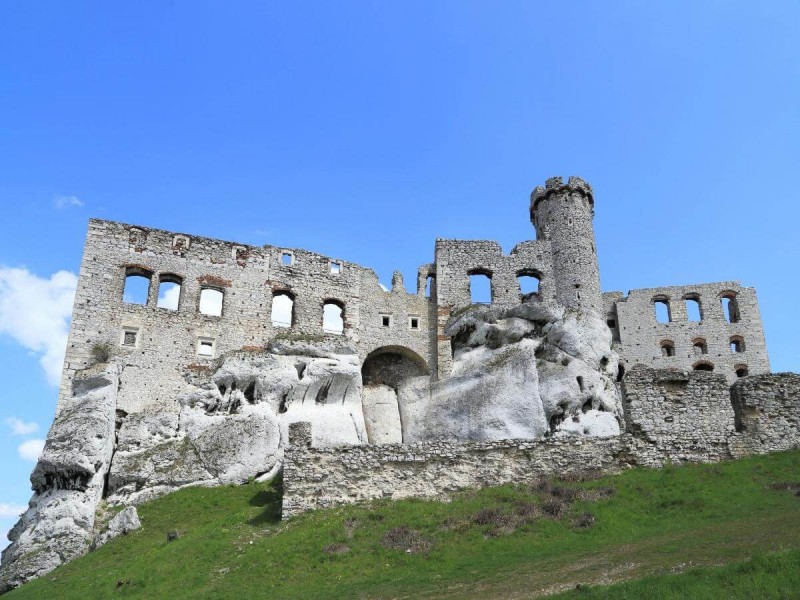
68	482
522	372
123	523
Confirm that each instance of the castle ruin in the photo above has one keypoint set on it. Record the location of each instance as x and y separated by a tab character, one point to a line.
267	358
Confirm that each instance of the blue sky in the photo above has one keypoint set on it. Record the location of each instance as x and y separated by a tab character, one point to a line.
364	130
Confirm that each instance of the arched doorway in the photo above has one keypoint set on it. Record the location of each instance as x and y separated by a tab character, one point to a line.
384	374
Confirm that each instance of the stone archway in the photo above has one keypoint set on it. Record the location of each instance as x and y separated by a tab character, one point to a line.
384	374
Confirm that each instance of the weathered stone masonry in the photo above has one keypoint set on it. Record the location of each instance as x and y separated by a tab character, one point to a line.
563	258
672	416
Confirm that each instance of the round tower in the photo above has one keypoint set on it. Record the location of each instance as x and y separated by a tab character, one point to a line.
562	214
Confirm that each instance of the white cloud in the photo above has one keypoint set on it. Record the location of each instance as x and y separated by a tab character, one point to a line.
20	427
169	299
282	310
211	302
31	450
11	511
332	321
61	202
35	312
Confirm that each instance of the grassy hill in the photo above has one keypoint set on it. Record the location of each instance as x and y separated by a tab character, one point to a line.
509	542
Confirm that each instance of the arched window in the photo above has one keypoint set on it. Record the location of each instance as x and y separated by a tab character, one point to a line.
742	370
730	307
333	317
703	366
430	285
667	348
663	314
699	346
169	291
480	287
694	310
211	302
529	282
282	309
137	285
737	344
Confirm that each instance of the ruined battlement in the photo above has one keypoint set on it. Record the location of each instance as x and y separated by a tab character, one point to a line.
556	185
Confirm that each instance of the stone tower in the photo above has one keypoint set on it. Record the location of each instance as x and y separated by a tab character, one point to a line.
562	214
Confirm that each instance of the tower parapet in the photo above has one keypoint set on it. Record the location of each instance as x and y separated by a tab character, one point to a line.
562	213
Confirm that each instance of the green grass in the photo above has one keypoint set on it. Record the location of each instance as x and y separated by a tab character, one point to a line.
655	522
762	577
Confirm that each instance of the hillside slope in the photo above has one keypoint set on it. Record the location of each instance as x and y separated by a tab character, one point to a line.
507	542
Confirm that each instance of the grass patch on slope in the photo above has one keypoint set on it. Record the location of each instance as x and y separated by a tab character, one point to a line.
517	541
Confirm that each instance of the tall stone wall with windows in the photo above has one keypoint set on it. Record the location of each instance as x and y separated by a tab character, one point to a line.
161	343
727	338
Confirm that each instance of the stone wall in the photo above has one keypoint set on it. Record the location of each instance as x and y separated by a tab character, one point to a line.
325	477
672	416
641	339
685	415
249	277
767	409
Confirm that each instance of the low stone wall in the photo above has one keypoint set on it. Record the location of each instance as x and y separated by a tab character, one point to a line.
671	416
325	477
767	409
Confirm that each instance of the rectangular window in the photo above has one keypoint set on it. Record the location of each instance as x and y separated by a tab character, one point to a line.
205	347
336	267
130	337
413	322
386	321
287	259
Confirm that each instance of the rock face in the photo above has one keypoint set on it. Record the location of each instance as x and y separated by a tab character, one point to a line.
123	523
68	482
518	373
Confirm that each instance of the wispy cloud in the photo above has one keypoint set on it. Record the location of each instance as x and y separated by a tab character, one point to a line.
30	450
35	312
11	511
20	427
62	202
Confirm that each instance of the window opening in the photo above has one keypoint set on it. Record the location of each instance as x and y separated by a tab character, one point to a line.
169	292
693	309
332	318
413	322
663	314
737	345
137	287
130	336
699	346
205	347
667	348
287	259
528	284
480	288
211	302
730	308
336	267
704	366
282	314
429	283
386	320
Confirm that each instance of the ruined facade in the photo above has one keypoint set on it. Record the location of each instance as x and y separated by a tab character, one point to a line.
235	361
159	343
